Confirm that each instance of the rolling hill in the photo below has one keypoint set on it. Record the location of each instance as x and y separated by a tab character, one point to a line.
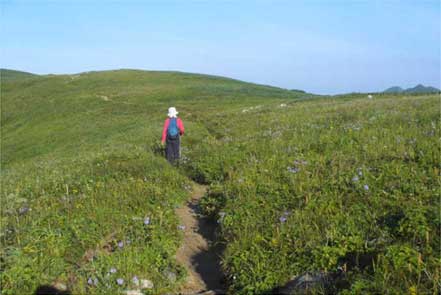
8	75
342	191
86	103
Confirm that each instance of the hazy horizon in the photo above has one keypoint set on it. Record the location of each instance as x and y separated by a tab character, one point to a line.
319	47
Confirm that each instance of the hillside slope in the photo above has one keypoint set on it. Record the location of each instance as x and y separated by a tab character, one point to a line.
345	189
85	188
10	75
55	113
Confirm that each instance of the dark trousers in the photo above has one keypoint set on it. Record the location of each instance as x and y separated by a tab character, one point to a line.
172	149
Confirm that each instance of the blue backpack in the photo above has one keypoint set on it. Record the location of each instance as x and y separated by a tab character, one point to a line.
173	130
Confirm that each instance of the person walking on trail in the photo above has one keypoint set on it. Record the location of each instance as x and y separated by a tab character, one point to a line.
171	133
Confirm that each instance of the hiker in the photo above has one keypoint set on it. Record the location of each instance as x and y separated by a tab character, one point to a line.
173	129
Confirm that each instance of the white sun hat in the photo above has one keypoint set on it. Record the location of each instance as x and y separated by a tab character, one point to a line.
172	112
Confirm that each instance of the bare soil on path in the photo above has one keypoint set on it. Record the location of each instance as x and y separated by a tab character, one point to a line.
199	253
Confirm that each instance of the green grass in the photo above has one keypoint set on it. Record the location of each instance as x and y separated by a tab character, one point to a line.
80	152
310	186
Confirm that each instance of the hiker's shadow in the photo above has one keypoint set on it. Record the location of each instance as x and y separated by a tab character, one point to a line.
208	262
50	290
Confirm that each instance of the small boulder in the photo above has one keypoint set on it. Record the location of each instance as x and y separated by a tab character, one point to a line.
171	276
146	284
60	286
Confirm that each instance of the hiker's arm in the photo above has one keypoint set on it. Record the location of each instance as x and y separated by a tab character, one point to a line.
181	127
164	130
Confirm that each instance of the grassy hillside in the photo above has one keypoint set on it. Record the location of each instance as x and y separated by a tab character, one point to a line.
323	184
10	75
80	174
296	183
63	113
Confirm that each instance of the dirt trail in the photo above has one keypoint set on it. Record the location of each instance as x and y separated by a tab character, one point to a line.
198	253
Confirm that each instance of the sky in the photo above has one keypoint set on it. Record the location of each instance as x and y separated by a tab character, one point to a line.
323	47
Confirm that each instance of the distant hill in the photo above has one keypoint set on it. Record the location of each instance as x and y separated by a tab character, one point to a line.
422	89
417	89
394	89
8	75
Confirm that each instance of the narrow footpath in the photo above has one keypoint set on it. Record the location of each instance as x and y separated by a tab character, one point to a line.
198	252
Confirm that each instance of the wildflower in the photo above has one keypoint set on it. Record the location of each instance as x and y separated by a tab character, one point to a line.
120	244
147	220
430	133
23	210
366	187
300	162
360	171
120	281
92	282
355	179
113	270
221	216
181	227
135	280
293	169
282	219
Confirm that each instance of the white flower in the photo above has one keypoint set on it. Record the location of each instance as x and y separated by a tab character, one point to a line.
147	220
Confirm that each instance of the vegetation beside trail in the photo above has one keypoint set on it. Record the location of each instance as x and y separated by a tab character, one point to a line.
328	184
297	183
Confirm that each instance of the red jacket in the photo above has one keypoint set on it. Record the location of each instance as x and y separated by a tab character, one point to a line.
164	130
